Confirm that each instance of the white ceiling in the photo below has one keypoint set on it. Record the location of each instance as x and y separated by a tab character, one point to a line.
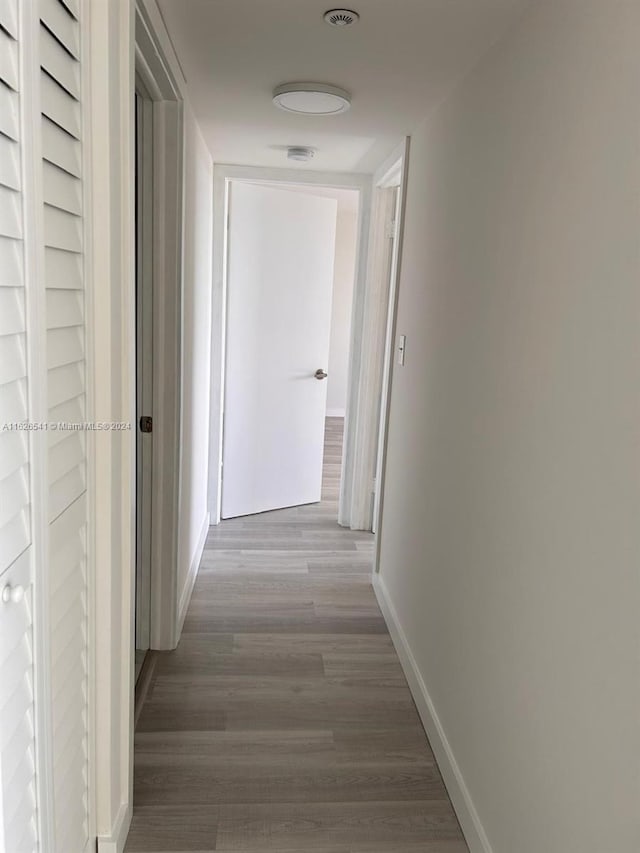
398	62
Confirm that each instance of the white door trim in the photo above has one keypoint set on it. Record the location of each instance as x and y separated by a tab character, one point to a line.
382	179
359	509
168	148
144	359
388	354
223	174
369	389
111	347
111	368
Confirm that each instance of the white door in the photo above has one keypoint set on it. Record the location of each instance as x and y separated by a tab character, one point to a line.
18	793
281	248
61	53
44	652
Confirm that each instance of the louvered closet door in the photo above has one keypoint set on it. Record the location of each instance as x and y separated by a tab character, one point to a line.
18	824
43	699
60	98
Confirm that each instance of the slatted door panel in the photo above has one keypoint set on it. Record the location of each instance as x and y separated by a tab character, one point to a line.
69	676
61	141
14	472
18	813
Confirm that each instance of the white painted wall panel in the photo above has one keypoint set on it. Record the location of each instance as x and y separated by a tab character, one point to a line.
510	535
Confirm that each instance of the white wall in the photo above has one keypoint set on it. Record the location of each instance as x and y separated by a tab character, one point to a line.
510	543
196	357
343	285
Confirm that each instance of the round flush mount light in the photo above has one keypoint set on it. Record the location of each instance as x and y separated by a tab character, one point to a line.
341	17
316	99
301	153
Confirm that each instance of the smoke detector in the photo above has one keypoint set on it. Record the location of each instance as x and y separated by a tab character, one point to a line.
300	153
341	17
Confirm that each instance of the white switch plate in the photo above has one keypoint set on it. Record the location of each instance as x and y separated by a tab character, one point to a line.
402	346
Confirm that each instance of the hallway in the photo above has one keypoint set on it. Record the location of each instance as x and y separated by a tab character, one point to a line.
283	722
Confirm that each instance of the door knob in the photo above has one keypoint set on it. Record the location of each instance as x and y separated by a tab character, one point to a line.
12	594
320	374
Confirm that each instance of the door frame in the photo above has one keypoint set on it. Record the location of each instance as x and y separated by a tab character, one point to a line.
123	36
223	176
390	267
165	256
362	493
144	358
394	172
110	367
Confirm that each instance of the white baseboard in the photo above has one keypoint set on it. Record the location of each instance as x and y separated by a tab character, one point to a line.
459	793
114	843
187	590
336	413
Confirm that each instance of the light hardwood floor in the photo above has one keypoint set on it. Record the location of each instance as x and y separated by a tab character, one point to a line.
283	721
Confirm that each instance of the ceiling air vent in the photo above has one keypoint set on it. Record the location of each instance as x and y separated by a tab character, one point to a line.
301	153
341	17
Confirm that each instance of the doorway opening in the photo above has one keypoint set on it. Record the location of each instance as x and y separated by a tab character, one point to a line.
158	178
291	263
244	359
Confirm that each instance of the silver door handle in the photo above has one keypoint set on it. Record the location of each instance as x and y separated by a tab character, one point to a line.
320	374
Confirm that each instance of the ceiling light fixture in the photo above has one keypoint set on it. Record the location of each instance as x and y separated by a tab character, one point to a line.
311	99
301	153
341	17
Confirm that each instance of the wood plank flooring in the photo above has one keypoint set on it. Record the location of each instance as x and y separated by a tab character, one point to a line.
283	721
